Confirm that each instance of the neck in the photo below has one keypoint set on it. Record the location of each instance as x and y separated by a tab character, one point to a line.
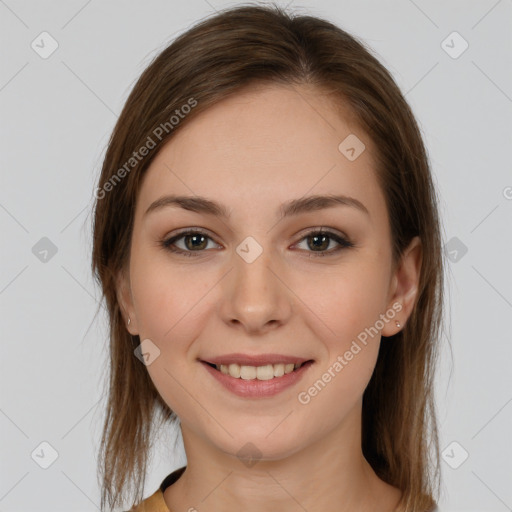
329	474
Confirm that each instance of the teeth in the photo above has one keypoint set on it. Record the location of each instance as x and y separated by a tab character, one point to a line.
266	372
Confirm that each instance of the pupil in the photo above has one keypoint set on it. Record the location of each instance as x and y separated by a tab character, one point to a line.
323	238
195	238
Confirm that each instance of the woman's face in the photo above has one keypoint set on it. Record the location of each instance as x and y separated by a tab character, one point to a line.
254	282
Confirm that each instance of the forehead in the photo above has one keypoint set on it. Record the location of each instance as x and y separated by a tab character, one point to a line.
266	145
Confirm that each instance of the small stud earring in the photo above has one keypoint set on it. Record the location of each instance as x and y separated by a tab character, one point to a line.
129	320
398	324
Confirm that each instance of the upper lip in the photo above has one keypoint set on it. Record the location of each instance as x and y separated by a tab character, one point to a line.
255	360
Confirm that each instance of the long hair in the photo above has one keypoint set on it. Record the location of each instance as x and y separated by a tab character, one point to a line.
213	60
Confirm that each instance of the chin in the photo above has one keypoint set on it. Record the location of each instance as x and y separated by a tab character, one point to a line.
251	447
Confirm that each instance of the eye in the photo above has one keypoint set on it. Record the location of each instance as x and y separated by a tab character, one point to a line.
320	240
194	241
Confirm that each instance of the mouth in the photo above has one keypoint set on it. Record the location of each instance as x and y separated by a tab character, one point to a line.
260	372
257	376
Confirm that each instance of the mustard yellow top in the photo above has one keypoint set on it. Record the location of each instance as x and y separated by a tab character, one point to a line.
155	502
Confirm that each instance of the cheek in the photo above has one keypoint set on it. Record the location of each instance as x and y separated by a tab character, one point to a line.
345	302
169	302
171	310
346	308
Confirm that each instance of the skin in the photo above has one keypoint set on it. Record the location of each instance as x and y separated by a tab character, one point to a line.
253	152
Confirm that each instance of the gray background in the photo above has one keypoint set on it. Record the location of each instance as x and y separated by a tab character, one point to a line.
56	117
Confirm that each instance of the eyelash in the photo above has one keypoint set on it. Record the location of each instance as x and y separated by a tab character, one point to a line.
344	243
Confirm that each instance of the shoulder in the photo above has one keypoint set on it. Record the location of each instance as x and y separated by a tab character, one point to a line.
156	502
153	503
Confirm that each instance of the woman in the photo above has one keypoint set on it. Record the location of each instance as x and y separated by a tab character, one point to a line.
267	240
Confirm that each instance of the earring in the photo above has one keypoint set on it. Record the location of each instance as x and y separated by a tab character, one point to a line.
398	324
129	320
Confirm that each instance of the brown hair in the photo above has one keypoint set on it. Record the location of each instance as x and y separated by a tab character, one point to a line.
213	60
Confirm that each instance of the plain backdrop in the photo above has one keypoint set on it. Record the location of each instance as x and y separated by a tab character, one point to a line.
452	60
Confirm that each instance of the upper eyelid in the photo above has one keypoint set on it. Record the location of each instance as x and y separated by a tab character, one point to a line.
189	231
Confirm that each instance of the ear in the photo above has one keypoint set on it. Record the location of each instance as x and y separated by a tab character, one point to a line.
124	297
404	287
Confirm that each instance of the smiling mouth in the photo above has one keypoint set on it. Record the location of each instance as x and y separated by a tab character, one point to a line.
265	372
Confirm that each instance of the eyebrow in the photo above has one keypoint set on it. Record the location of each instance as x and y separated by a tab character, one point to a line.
200	204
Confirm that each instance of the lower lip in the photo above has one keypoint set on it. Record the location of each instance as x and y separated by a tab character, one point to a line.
258	388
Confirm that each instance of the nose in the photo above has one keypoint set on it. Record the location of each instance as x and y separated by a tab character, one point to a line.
255	297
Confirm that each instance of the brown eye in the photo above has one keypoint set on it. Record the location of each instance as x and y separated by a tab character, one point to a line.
187	243
319	241
194	242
